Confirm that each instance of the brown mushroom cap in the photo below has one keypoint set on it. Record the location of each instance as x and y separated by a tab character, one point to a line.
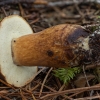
13	27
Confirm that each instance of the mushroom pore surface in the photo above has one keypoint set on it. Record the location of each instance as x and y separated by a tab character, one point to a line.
13	27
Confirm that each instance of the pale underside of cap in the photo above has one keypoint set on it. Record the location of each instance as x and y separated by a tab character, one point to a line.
13	27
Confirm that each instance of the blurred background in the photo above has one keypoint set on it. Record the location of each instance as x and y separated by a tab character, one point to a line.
45	13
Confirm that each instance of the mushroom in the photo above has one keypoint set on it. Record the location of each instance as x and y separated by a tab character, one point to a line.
13	27
21	51
57	46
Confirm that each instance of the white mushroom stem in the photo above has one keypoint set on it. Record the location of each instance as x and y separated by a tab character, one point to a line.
53	47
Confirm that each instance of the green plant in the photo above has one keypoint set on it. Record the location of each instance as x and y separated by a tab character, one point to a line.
66	74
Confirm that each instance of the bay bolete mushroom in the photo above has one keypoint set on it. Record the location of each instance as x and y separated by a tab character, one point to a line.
13	27
57	46
21	51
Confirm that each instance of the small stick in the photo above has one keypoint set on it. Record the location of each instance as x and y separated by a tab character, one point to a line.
46	87
86	79
88	98
40	71
22	95
32	89
4	97
92	66
21	10
4	11
34	21
71	91
7	84
33	97
45	80
75	94
55	91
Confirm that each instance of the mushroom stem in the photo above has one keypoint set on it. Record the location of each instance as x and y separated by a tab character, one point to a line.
52	47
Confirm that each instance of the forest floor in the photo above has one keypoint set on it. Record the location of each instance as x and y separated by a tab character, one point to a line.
43	14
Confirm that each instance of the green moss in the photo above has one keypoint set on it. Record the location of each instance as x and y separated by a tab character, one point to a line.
66	74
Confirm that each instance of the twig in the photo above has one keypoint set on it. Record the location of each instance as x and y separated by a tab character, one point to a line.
4	87
4	2
4	91
47	87
7	84
34	21
76	6
76	93
33	97
4	97
88	98
45	81
87	80
98	94
40	71
23	97
4	11
65	96
81	91
69	2
30	92
58	82
85	76
32	89
71	91
52	4
92	66
21	10
92	25
44	2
